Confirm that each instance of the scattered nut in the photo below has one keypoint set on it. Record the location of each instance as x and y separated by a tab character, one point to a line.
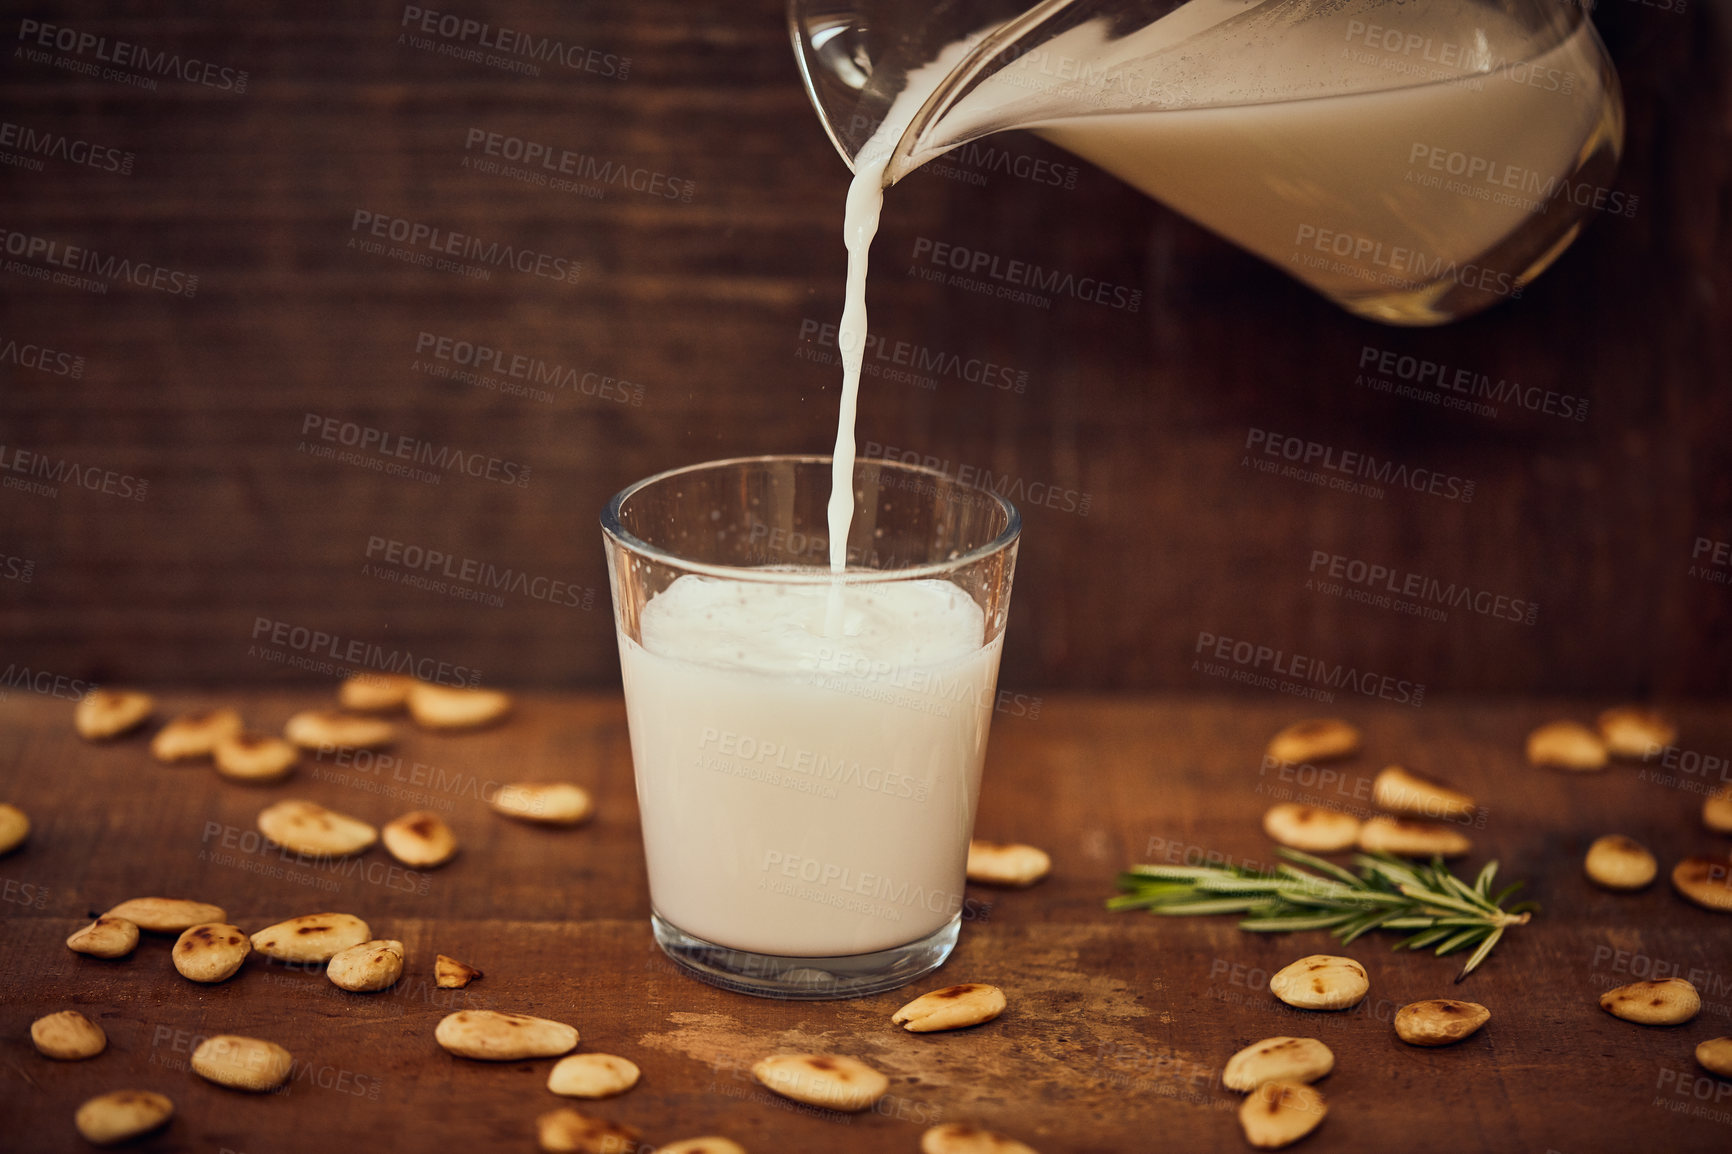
106	937
565	1131
1277	1060
710	1145
369	966
1707	881
1620	863
998	863
1667	1002
194	735
1278	1114
445	707
242	1063
166	915
1319	739
14	828
546	802
324	728
951	1008
494	1037
211	952
112	1118
1566	745
1716	1056
255	757
1439	1022
375	692
1311	828
68	1036
956	1138
451	974
833	1081
1406	837
1629	731
105	713
1403	791
421	839
1717	810
309	828
1321	982
311	937
592	1076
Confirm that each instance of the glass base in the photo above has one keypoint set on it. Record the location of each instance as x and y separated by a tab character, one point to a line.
805	979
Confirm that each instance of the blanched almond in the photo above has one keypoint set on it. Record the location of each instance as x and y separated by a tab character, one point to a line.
311	937
494	1037
1405	837
420	839
1717	810
325	728
115	1117
255	757
1707	881
544	802
1620	863
1632	732
952	1008
14	828
832	1081
1277	1060
68	1036
372	965
167	915
242	1063
711	1145
956	1138
1311	828
1321	982
1314	740
445	707
592	1076
1667	1002
451	974
105	713
375	692
998	863
1278	1114
211	952
1401	791
1439	1022
309	828
1716	1056
106	937
194	735
566	1131
1566	745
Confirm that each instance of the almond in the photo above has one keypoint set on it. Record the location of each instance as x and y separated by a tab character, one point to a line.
242	1063
956	1138
1405	837
115	1117
1717	810
1635	733
420	839
373	965
106	937
490	1036
1279	1059
254	757
1566	745
832	1081
166	915
1318	739
952	1008
211	952
711	1145
68	1036
451	974
445	707
592	1076
14	828
105	713
309	828
375	692
997	863
315	938
1667	1002
565	1131
1402	791
1439	1022
1321	982
1715	1055
1278	1114
1311	828
194	735
327	728
544	802
1707	881
1620	863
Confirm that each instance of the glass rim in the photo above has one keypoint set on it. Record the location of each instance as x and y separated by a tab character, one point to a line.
610	525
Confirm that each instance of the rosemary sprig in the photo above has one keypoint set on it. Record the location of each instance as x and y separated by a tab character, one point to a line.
1388	893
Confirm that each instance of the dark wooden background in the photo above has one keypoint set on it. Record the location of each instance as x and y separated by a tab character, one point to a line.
702	305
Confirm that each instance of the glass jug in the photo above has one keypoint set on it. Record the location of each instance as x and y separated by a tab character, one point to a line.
1414	161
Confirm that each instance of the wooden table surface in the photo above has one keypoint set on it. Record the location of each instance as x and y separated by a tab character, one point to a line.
1118	1024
